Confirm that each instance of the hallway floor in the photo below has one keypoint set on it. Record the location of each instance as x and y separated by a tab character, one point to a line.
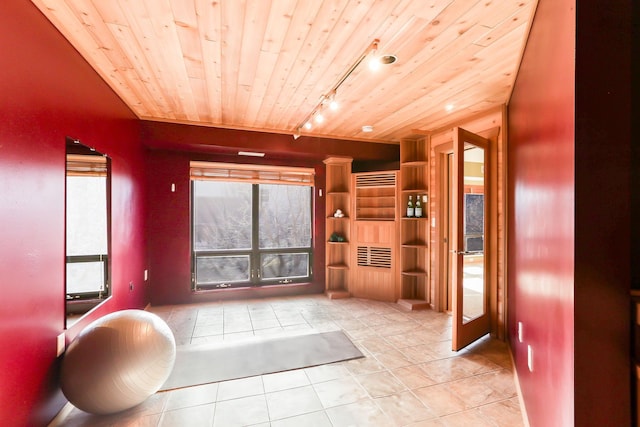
409	377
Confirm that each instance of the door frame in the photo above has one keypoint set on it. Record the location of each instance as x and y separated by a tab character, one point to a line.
440	150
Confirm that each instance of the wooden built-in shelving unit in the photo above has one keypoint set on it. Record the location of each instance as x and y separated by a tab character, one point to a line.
414	232
375	196
337	253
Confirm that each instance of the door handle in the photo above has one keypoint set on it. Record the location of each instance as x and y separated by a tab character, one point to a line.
453	251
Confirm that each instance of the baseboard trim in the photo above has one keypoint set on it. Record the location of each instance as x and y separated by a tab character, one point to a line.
523	408
58	420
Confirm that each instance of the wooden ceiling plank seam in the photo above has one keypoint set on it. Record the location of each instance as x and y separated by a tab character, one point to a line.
278	22
466	89
496	13
291	47
186	22
231	29
441	59
140	24
383	16
293	90
209	22
309	34
199	86
471	86
361	35
256	19
512	22
442	42
149	94
93	24
170	55
473	89
338	48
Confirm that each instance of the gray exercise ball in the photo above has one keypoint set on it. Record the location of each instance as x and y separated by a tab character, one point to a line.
118	361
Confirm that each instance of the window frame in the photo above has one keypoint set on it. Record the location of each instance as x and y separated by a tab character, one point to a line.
81	165
255	175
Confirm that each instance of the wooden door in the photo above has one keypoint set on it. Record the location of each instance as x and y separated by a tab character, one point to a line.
471	318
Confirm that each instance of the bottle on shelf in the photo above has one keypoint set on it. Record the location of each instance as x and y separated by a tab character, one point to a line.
410	208
418	208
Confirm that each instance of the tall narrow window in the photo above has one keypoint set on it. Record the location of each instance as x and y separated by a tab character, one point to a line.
248	231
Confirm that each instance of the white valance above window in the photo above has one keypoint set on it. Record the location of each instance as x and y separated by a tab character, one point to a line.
256	174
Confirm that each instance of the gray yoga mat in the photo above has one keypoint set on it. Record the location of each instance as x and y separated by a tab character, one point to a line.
207	363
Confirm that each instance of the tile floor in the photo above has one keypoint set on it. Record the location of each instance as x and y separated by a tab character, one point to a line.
409	377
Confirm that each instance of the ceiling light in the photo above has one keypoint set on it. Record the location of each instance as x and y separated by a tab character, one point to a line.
449	107
367	128
333	104
329	100
374	62
387	59
250	154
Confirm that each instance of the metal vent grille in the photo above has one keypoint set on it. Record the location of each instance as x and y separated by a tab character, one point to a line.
376	180
374	257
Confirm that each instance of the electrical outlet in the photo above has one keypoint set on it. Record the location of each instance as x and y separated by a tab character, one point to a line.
173	188
530	358
146	275
60	344
520	331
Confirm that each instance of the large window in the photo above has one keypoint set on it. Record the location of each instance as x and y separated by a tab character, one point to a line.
250	233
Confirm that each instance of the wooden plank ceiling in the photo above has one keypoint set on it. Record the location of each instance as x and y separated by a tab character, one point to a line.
266	64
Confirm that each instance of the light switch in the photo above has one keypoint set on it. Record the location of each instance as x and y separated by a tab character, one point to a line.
520	331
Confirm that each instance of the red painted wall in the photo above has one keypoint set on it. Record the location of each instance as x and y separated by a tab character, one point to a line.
569	223
169	212
169	234
47	91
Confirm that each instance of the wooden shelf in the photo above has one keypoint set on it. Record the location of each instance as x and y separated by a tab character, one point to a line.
413	304
417	245
337	266
338	294
414	231
414	273
375	196
338	196
416	163
408	191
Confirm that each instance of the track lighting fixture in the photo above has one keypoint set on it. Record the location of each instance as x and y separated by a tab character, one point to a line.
329	98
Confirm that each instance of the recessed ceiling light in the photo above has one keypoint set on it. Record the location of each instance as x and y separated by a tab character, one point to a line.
250	154
449	107
388	59
367	128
